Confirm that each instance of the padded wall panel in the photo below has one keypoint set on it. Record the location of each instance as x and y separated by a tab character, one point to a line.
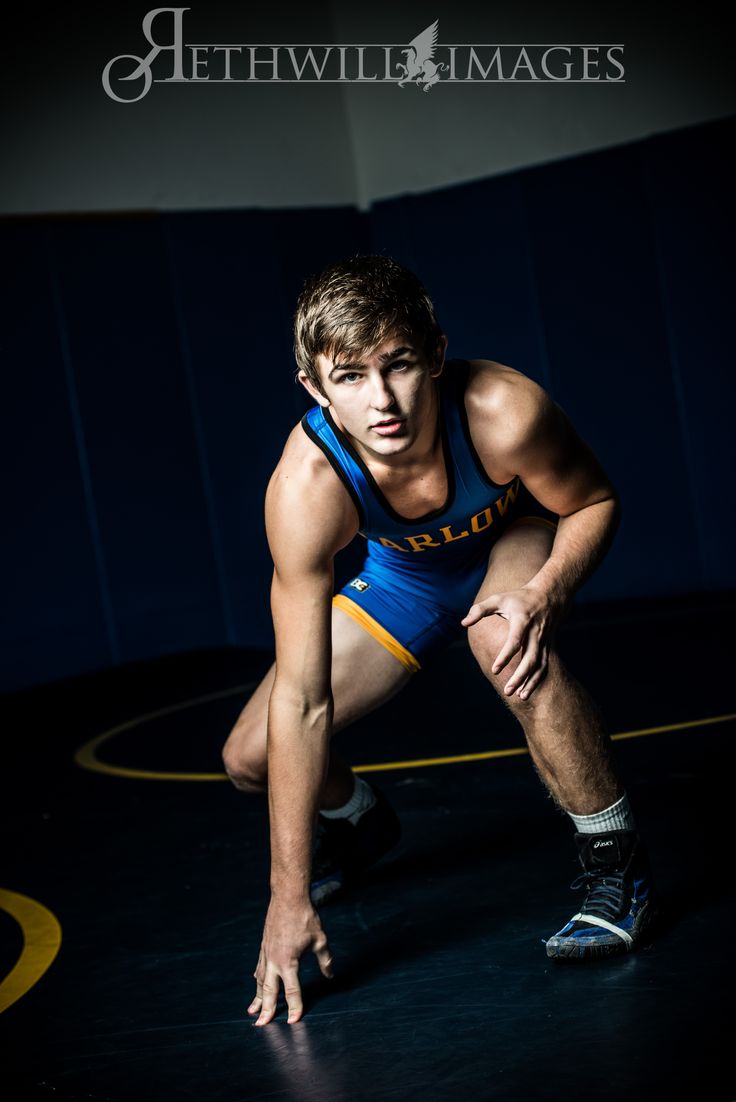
469	245
599	296
692	185
138	429
236	278
53	621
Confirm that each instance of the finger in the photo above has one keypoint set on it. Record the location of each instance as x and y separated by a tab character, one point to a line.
293	993
527	666
257	1003
270	996
533	682
477	611
514	643
324	959
255	1006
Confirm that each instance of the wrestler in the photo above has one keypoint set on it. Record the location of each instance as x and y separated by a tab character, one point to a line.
483	512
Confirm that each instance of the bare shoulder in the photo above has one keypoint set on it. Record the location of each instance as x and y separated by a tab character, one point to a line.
309	513
505	409
496	390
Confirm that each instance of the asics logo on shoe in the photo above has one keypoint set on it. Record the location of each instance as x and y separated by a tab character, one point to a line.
604	842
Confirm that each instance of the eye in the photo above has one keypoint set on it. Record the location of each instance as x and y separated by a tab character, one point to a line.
349	377
399	365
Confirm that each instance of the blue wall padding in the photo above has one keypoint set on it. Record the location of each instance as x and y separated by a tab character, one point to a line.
598	288
469	244
235	279
691	191
53	620
138	434
148	384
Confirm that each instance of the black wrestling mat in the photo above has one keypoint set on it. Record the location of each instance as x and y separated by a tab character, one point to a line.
153	873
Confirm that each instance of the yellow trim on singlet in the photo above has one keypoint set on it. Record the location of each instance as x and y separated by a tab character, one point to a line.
379	633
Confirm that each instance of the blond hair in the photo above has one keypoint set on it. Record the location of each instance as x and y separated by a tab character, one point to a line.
357	303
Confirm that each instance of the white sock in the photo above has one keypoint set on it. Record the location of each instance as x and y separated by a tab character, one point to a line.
616	817
361	800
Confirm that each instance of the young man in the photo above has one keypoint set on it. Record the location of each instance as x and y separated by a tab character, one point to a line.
483	513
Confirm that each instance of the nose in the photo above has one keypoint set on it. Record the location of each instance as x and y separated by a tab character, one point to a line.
382	398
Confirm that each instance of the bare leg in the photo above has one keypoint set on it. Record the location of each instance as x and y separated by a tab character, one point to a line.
364	675
564	731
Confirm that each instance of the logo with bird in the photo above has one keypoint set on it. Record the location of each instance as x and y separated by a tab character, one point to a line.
420	68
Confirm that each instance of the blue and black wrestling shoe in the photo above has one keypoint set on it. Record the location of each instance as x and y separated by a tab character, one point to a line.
343	850
620	905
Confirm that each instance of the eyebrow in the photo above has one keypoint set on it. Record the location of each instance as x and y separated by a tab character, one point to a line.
384	358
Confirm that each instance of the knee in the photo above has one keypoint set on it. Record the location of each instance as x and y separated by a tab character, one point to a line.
244	758
486	640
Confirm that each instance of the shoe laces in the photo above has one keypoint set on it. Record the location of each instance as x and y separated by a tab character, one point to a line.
605	894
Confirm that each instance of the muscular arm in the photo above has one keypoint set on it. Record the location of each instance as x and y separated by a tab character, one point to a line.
520	431
309	517
564	475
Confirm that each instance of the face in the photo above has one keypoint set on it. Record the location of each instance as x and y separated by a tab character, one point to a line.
384	399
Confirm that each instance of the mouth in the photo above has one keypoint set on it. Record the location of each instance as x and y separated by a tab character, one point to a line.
389	427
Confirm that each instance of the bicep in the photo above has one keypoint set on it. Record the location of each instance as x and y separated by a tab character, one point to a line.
307	520
557	466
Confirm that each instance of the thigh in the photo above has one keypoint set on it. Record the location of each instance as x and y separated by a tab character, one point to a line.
364	675
516	557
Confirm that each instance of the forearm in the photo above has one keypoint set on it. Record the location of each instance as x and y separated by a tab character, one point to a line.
298	753
580	544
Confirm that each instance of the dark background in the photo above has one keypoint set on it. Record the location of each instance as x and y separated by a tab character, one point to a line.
153	254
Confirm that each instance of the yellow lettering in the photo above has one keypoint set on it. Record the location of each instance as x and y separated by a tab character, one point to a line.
447	533
418	543
511	495
475	522
390	543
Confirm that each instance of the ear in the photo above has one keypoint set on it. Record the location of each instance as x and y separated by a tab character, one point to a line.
439	359
309	386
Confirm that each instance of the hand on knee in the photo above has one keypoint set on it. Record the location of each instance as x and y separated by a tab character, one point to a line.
515	663
527	618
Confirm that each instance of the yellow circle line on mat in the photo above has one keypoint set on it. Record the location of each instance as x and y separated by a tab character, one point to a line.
41	941
484	755
86	756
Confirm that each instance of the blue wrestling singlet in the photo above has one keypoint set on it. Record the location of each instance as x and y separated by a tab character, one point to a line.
421	576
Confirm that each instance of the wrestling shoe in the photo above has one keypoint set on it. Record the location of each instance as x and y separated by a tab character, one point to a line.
342	850
619	905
